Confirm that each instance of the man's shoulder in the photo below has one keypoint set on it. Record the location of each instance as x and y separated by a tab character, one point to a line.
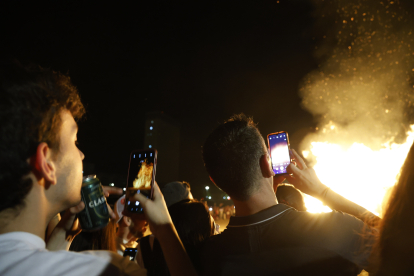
28	256
329	219
335	234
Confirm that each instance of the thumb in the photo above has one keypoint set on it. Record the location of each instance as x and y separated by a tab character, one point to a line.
141	198
292	169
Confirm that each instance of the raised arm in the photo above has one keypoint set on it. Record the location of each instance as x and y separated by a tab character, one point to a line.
163	229
305	179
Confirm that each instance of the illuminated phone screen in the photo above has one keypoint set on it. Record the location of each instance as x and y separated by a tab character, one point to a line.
140	178
131	253
279	152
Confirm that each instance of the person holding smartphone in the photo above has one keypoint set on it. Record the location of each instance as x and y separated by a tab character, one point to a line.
267	238
41	176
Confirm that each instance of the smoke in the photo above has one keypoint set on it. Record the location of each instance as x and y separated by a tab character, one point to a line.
363	90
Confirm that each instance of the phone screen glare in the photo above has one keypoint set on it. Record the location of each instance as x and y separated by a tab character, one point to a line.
140	178
279	152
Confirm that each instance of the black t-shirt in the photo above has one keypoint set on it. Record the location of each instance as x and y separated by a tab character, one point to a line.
283	241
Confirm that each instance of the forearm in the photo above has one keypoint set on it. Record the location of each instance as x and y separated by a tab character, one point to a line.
337	202
174	252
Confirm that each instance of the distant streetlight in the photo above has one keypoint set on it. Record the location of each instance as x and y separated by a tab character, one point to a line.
112	184
124	189
228	198
207	188
209	197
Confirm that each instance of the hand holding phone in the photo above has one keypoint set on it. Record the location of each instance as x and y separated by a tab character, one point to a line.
279	151
141	177
131	253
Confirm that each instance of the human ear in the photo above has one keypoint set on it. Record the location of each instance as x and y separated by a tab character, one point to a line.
127	220
265	166
43	165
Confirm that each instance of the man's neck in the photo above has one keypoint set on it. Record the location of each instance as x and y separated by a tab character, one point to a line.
262	199
32	218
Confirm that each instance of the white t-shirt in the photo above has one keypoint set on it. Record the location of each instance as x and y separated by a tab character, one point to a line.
23	253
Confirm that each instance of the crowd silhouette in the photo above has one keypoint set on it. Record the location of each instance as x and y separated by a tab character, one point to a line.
269	231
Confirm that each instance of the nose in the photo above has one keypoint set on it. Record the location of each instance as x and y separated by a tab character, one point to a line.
81	154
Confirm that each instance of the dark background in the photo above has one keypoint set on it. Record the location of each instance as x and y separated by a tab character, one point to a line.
198	62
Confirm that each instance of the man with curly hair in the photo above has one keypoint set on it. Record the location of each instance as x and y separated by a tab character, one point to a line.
41	176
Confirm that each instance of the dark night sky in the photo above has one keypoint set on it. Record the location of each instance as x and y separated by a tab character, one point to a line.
199	62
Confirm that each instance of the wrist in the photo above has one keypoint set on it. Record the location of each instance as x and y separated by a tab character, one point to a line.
164	231
321	192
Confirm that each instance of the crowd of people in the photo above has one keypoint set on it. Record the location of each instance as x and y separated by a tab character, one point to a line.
41	178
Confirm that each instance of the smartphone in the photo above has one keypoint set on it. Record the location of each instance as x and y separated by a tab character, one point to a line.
141	177
279	151
130	252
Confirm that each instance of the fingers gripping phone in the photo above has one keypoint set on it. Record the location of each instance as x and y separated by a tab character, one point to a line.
141	177
131	253
279	151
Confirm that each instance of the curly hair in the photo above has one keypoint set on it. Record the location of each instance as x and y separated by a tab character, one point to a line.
231	156
31	100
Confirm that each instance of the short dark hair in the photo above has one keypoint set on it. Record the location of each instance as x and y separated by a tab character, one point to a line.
31	102
232	155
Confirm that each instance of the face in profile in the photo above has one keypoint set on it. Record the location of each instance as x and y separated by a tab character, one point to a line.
138	227
68	163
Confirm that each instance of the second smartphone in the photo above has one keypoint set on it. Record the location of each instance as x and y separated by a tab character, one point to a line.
141	177
279	151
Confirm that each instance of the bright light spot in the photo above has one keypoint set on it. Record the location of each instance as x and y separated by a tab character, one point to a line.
332	127
228	198
305	153
112	184
207	188
386	111
124	189
136	203
211	209
151	127
224	197
358	173
150	146
209	197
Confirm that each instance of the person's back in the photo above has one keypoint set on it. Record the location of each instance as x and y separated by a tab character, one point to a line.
266	238
193	223
280	240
